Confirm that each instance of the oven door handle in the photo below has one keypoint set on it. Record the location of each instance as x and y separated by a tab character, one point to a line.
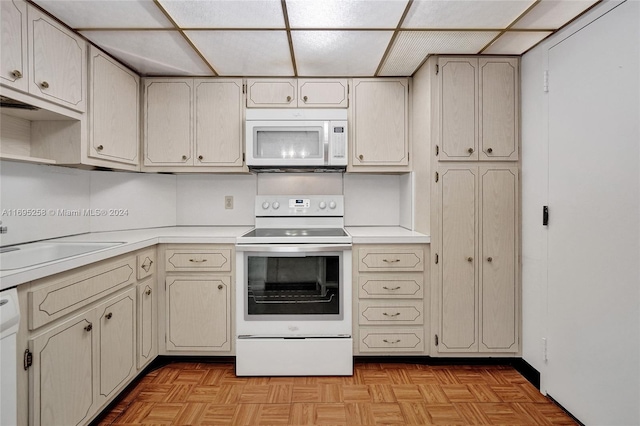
298	248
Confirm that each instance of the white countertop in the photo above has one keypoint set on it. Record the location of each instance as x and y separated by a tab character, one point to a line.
137	239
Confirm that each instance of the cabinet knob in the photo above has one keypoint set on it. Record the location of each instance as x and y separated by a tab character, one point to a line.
100	148
469	259
109	315
489	150
89	327
220	286
361	157
200	157
148	292
304	98
489	259
184	158
16	74
44	85
288	98
470	150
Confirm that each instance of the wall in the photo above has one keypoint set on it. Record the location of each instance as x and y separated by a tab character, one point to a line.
581	156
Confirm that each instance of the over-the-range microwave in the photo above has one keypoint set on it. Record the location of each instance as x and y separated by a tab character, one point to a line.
296	139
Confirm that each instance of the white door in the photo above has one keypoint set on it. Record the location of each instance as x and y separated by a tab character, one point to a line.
593	366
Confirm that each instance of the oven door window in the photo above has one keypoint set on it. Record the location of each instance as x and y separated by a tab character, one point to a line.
288	287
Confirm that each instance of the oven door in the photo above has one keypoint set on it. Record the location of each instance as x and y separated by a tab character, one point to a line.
293	291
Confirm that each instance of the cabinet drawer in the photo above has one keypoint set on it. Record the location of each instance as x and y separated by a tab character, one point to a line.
67	292
391	259
198	260
146	262
406	286
391	312
391	339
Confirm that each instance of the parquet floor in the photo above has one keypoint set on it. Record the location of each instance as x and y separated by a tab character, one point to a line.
377	394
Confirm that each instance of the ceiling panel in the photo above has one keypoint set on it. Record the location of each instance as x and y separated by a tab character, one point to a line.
411	47
552	14
225	14
245	53
106	13
151	52
339	53
516	42
345	14
462	14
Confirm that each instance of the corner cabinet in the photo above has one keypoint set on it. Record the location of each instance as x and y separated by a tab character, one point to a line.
379	125
477	257
193	125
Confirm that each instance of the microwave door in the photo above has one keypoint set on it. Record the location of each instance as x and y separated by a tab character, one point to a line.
287	144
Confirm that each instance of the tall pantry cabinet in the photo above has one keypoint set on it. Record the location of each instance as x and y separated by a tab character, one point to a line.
474	177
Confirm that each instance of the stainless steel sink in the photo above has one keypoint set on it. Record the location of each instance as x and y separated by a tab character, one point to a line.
25	255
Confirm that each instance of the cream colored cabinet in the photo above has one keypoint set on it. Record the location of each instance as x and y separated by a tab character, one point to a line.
197	298
147	323
193	125
389	299
476	252
478	109
114	111
380	125
300	93
14	44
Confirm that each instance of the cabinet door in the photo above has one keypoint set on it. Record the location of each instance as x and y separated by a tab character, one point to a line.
218	132
58	66
322	93
14	44
498	260
117	319
113	110
458	290
498	108
147	325
458	108
198	313
272	93
62	376
380	123
168	117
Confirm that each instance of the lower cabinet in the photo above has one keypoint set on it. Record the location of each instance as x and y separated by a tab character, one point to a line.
147	325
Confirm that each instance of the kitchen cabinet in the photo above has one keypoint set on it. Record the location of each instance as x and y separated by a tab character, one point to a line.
478	109
114	111
193	125
197	298
297	93
476	253
389	299
147	297
380	125
14	44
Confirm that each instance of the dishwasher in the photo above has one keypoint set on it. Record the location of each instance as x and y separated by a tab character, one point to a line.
9	321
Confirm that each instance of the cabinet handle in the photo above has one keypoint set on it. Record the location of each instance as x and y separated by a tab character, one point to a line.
391	315
200	157
390	342
391	289
391	261
44	85
89	327
100	148
469	259
109	315
288	98
197	260
489	150
470	150
220	286
16	74
489	259
304	98
148	292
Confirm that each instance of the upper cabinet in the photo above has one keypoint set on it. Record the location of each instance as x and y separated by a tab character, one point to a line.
297	93
114	117
193	122
14	44
380	125
478	109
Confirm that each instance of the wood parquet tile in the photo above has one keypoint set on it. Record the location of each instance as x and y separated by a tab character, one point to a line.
194	393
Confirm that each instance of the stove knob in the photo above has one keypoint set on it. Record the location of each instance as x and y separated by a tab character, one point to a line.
265	205
275	205
332	205
322	205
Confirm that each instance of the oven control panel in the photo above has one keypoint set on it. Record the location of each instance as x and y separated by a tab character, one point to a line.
307	205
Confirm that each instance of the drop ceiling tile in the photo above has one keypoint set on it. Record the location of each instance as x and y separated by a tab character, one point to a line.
225	14
151	52
552	14
462	14
106	13
339	53
516	42
345	14
245	53
410	48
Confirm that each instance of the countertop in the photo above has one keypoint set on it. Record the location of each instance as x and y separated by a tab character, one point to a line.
137	239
